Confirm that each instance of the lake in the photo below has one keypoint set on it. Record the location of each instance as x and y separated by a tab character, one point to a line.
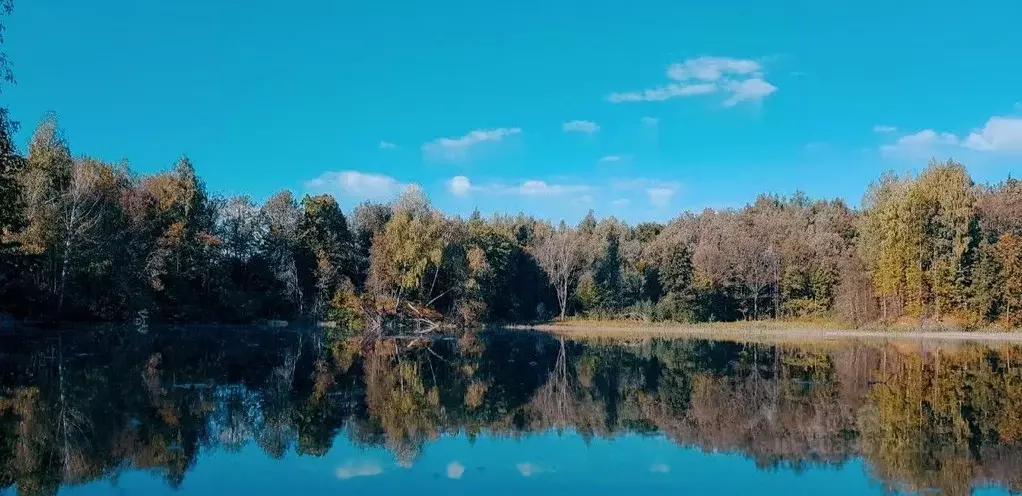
228	411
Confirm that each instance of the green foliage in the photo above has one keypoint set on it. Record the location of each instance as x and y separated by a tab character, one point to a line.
609	286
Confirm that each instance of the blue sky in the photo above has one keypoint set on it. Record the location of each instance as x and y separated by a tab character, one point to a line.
635	109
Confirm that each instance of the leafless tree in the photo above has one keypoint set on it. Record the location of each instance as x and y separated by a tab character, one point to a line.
78	215
562	255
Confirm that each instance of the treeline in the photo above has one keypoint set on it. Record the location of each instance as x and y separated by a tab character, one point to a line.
86	239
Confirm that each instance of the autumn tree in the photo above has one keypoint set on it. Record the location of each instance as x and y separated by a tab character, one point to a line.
919	236
411	254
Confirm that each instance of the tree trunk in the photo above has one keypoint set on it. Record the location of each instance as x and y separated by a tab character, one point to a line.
563	297
755	305
63	273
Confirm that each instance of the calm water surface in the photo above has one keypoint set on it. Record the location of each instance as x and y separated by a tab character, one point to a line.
200	412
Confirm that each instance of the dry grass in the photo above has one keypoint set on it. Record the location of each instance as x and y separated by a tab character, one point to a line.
772	331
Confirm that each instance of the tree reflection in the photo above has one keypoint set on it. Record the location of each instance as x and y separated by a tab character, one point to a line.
78	407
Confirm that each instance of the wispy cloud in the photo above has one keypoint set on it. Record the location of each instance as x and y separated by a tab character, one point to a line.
920	143
659	192
642	183
620	203
1000	134
884	129
610	159
661	93
660	468
740	79
536	187
749	90
660	196
584	200
529	469
357	185
587	127
462	186
712	68
650	121
455	470
455	149
350	470
386	145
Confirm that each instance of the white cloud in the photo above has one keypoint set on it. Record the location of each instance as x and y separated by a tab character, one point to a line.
650	121
584	200
351	470
528	469
748	90
610	158
1000	134
641	183
535	187
660	468
588	127
458	148
459	186
462	186
884	129
386	145
355	184
740	79
921	143
661	93
620	203
455	470
660	196
711	68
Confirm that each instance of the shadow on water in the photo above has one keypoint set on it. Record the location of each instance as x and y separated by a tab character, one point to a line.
81	406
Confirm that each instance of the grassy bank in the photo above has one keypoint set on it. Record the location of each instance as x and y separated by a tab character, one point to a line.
772	330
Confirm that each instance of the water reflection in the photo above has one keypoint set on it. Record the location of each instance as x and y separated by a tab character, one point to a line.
84	406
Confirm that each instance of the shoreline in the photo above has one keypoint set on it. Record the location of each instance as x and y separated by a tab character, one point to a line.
773	330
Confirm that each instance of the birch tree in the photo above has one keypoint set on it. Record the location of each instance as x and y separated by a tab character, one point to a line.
79	215
562	255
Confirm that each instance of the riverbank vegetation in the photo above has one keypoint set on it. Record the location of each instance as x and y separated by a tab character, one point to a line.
86	239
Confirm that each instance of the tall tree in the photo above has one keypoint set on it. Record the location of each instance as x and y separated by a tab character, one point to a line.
408	256
562	254
608	274
79	215
282	244
12	207
1009	250
6	73
324	231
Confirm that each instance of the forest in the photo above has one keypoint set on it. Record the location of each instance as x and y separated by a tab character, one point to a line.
86	240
